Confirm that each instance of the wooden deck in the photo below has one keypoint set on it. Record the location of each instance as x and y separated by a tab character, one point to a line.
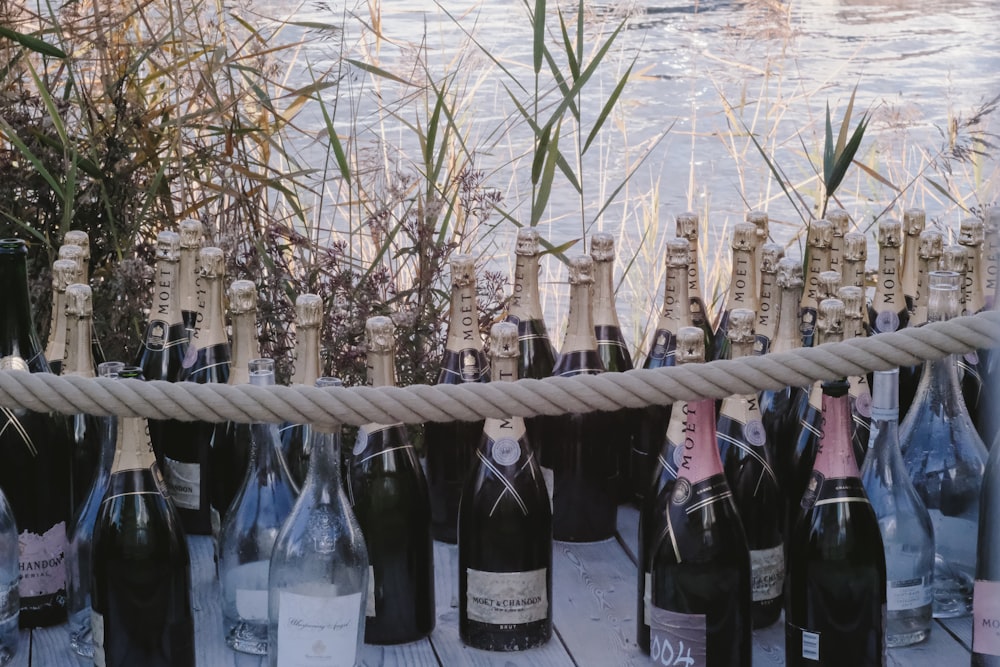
594	602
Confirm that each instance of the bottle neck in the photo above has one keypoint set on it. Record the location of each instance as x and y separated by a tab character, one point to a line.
134	450
973	287
888	290
676	311
79	349
56	349
834	454
788	337
245	347
166	295
741	349
306	356
210	331
17	330
580	335
853	273
854	327
381	370
323	476
463	320
524	303
884	439
819	261
693	270
743	285
921	292
767	309
910	268
605	313
504	369
187	280
837	253
700	459
991	250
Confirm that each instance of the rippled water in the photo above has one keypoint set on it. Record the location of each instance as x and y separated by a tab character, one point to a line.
919	67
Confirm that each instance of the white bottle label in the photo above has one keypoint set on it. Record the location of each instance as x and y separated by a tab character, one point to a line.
908	594
550	479
317	631
251	604
767	573
507	598
97	631
183	483
986	617
42	561
370	605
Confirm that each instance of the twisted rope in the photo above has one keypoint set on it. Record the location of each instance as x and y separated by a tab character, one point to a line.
187	401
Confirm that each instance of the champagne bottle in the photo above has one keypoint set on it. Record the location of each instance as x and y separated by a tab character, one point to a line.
231	441
742	285
820	236
166	340
761	224
701	563
907	535
308	321
451	446
829	283
652	510
10	635
319	567
81	239
854	259
674	316
836	599
840	221
505	530
687	228
584	454
986	598
34	457
798	460
74	253
81	533
388	492
192	237
991	251
971	235
914	222
859	395
64	273
614	354
746	460
249	532
79	361
187	448
778	406
770	297
929	248
945	459
888	311
141	576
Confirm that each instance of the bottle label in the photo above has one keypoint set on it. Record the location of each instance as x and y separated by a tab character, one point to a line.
506	452
370	602
677	639
97	633
183	483
908	594
156	335
664	346
754	433
767	573
823	490
251	604
316	631
986	617
507	598
809	641
42	562
887	320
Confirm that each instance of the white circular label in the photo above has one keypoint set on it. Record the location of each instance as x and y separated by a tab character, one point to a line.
887	320
506	452
754	432
863	404
972	358
361	442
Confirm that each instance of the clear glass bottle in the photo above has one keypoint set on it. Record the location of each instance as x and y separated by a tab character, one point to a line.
819	239
742	284
81	533
907	534
687	228
505	530
854	260
986	598
250	529
319	572
770	298
914	222
945	458
388	492
10	634
308	323
64	273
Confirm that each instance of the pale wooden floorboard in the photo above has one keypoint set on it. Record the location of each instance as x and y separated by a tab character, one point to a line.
20	658
961	628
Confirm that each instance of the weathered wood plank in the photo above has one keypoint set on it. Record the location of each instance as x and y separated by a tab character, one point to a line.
959	628
20	658
449	647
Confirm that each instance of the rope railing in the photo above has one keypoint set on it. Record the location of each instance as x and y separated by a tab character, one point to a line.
328	407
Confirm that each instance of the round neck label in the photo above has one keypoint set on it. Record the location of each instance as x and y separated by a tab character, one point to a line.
506	452
887	320
754	432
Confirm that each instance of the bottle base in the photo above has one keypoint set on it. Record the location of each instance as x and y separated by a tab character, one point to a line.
952	590
907	639
248	638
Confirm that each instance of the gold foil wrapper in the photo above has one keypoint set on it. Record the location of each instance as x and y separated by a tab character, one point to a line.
581	270
840	219
192	233
242	296
789	272
213	262
955	258
73	252
528	242
971	232
380	333
741	325
914	221
690	345
820	234
79	300
678	252
931	245
503	341
602	247
853	298
770	255
168	246
65	272
830	318
855	247
687	226
829	283
463	270
78	238
890	234
744	236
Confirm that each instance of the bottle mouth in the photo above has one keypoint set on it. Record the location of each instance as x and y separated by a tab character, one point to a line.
13	246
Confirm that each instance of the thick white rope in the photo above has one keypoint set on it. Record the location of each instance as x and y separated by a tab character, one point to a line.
419	403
